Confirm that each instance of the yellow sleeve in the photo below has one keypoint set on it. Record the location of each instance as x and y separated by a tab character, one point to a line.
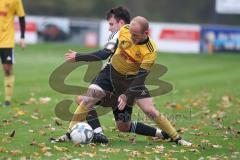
148	60
20	9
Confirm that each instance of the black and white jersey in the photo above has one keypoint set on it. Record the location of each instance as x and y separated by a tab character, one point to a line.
112	42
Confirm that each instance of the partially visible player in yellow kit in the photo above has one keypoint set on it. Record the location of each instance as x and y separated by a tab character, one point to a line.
125	76
8	10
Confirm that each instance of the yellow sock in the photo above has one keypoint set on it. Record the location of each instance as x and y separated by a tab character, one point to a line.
80	115
166	126
9	84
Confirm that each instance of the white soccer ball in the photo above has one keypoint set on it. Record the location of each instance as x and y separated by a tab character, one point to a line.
81	133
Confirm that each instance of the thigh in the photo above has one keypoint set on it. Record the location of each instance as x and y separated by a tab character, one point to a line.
140	92
7	55
110	100
103	80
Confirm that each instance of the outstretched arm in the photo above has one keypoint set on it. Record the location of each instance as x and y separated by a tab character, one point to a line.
94	56
22	31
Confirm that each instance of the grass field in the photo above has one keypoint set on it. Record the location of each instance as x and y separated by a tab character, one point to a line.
204	106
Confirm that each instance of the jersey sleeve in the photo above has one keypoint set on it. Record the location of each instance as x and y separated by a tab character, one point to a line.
148	60
20	9
112	42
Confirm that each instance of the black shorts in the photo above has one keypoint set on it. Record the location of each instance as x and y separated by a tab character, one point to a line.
103	79
110	100
112	81
7	55
114	85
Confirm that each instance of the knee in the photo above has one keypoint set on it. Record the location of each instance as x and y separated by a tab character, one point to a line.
84	100
79	99
7	69
123	126
7	72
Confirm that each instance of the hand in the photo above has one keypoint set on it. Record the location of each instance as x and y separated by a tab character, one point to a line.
70	56
22	43
122	101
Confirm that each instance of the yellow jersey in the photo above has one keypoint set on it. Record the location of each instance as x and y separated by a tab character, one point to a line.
129	57
8	9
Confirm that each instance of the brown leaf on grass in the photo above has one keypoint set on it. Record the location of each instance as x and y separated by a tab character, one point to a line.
172	151
104	145
79	145
225	102
36	154
7	140
34	117
132	140
216	146
42	133
67	156
24	122
45	149
204	141
16	152
194	150
48	154
178	106
234	131
60	149
50	128
44	100
58	123
237	122
134	154
109	150
219	115
173	105
24	158
33	143
154	139
6	122
83	154
182	130
201	100
93	145
158	149
21	112
31	100
12	134
2	150
104	157
41	145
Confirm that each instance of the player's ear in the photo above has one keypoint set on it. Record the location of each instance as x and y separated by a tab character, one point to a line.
121	22
147	32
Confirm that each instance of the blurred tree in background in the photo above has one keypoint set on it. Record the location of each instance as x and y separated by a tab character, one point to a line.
188	11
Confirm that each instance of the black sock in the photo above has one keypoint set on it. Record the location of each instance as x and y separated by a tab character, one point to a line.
142	129
92	119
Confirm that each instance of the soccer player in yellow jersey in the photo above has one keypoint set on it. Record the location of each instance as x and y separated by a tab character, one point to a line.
117	17
125	76
8	10
135	55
